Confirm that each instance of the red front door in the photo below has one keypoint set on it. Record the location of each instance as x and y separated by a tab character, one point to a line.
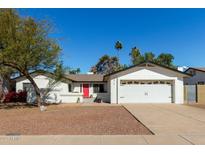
85	90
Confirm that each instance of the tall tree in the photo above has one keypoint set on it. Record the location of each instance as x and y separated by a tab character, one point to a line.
166	59
106	65
25	45
149	56
73	71
118	47
136	56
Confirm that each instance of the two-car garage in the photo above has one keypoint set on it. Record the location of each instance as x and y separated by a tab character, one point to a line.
147	83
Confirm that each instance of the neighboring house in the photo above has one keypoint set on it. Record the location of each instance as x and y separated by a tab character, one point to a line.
198	76
143	83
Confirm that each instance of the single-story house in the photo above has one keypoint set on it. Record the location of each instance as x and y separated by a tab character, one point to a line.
73	88
144	83
198	76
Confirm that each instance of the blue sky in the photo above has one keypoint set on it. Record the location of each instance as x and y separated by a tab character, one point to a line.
87	34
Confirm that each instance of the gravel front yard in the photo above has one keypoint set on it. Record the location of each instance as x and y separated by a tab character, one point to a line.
70	120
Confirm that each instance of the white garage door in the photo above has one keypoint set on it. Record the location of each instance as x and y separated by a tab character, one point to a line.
145	92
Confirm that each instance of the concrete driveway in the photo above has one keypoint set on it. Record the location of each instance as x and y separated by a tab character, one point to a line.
179	123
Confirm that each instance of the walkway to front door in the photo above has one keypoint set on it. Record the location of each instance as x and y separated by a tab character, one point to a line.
85	90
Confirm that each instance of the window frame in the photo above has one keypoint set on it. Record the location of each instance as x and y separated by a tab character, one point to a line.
70	88
27	83
201	83
99	88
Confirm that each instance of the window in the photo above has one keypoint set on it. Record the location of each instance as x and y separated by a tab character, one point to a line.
122	82
201	82
69	88
168	82
149	82
162	82
95	88
27	87
101	88
155	82
98	88
136	82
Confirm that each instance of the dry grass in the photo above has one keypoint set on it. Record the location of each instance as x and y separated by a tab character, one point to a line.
70	120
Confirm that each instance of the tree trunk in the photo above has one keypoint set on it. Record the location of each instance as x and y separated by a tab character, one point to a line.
28	76
37	90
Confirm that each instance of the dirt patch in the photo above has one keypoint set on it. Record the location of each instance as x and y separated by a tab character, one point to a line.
71	120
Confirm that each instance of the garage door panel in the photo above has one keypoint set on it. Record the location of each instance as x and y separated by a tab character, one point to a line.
159	93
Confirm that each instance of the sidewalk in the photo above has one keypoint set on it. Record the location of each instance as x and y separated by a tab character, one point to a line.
93	140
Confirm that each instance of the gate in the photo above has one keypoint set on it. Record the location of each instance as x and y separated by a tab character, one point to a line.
190	93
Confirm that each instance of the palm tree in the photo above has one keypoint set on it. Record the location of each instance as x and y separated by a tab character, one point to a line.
118	47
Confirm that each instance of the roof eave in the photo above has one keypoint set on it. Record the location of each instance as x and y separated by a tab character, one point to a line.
149	62
194	69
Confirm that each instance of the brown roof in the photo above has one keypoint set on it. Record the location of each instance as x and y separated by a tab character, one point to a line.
200	68
196	68
85	77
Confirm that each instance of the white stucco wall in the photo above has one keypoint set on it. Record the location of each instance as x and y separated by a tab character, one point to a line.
104	96
57	95
60	92
198	77
113	90
150	73
179	91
